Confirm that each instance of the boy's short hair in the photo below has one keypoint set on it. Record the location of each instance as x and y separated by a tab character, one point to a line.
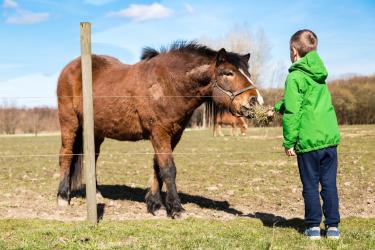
304	41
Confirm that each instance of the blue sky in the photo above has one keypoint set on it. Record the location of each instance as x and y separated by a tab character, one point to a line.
37	38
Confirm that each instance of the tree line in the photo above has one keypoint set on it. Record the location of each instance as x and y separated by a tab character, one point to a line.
27	120
352	98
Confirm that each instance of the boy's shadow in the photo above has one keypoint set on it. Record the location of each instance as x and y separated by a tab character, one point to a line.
271	220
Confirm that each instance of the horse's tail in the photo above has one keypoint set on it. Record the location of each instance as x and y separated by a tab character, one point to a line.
76	167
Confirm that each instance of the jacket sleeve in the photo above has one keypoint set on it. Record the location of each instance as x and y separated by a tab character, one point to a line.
279	107
293	97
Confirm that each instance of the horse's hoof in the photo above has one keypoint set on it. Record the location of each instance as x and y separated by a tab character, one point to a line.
62	202
153	202
153	207
176	212
177	215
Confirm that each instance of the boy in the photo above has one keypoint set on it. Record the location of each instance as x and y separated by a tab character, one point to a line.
311	131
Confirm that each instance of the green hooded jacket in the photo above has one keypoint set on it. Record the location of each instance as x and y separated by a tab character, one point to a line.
309	119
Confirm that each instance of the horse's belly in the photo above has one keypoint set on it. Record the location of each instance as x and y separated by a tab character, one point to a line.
121	128
227	121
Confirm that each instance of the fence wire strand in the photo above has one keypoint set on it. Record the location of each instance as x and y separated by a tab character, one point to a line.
120	96
146	153
176	153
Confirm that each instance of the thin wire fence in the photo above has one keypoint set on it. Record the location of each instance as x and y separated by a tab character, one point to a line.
145	153
175	153
122	96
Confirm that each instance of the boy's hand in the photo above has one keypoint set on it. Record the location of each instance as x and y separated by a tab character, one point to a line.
290	152
271	112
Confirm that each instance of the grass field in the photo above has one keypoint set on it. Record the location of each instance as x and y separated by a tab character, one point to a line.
238	192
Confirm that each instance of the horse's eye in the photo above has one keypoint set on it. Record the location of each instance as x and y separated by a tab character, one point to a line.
228	73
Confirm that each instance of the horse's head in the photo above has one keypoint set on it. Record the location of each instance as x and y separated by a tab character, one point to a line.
232	87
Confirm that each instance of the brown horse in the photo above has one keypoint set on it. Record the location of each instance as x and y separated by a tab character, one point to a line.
224	117
150	100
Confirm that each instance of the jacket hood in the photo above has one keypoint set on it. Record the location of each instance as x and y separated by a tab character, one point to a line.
312	65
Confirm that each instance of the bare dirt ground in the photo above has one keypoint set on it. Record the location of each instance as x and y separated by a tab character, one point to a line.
218	178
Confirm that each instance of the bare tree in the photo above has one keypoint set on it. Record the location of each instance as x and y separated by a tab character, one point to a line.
9	117
277	74
241	39
38	119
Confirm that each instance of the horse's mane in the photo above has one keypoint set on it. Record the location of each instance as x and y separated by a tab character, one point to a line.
179	46
192	47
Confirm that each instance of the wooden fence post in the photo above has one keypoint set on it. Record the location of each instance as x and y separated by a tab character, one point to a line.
88	123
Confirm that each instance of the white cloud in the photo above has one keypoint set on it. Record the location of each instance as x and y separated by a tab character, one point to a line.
148	33
30	90
189	8
143	12
10	4
98	2
27	17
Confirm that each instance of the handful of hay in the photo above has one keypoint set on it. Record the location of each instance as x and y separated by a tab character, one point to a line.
263	115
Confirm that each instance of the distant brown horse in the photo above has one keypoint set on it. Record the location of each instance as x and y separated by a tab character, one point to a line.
150	100
224	117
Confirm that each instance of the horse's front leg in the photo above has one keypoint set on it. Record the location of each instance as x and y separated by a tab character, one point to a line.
168	173
164	158
153	196
232	130
220	132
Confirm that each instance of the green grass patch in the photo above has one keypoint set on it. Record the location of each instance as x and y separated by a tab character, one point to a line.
241	233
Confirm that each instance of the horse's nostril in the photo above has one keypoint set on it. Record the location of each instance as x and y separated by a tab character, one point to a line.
253	100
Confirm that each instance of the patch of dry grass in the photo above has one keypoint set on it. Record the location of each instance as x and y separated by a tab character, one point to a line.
216	177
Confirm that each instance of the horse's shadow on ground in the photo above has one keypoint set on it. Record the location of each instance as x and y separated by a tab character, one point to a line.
123	192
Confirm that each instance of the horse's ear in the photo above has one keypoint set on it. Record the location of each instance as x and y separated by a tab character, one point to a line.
246	57
221	56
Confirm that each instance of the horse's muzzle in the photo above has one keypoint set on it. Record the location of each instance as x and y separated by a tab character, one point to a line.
247	110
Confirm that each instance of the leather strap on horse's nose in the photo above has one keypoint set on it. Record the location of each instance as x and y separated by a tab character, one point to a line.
233	95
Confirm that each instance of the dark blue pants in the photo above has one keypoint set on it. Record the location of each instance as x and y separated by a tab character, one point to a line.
316	167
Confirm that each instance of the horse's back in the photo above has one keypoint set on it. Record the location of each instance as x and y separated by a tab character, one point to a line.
114	114
70	83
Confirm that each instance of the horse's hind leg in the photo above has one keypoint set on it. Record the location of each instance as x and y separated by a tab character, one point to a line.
98	142
69	132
